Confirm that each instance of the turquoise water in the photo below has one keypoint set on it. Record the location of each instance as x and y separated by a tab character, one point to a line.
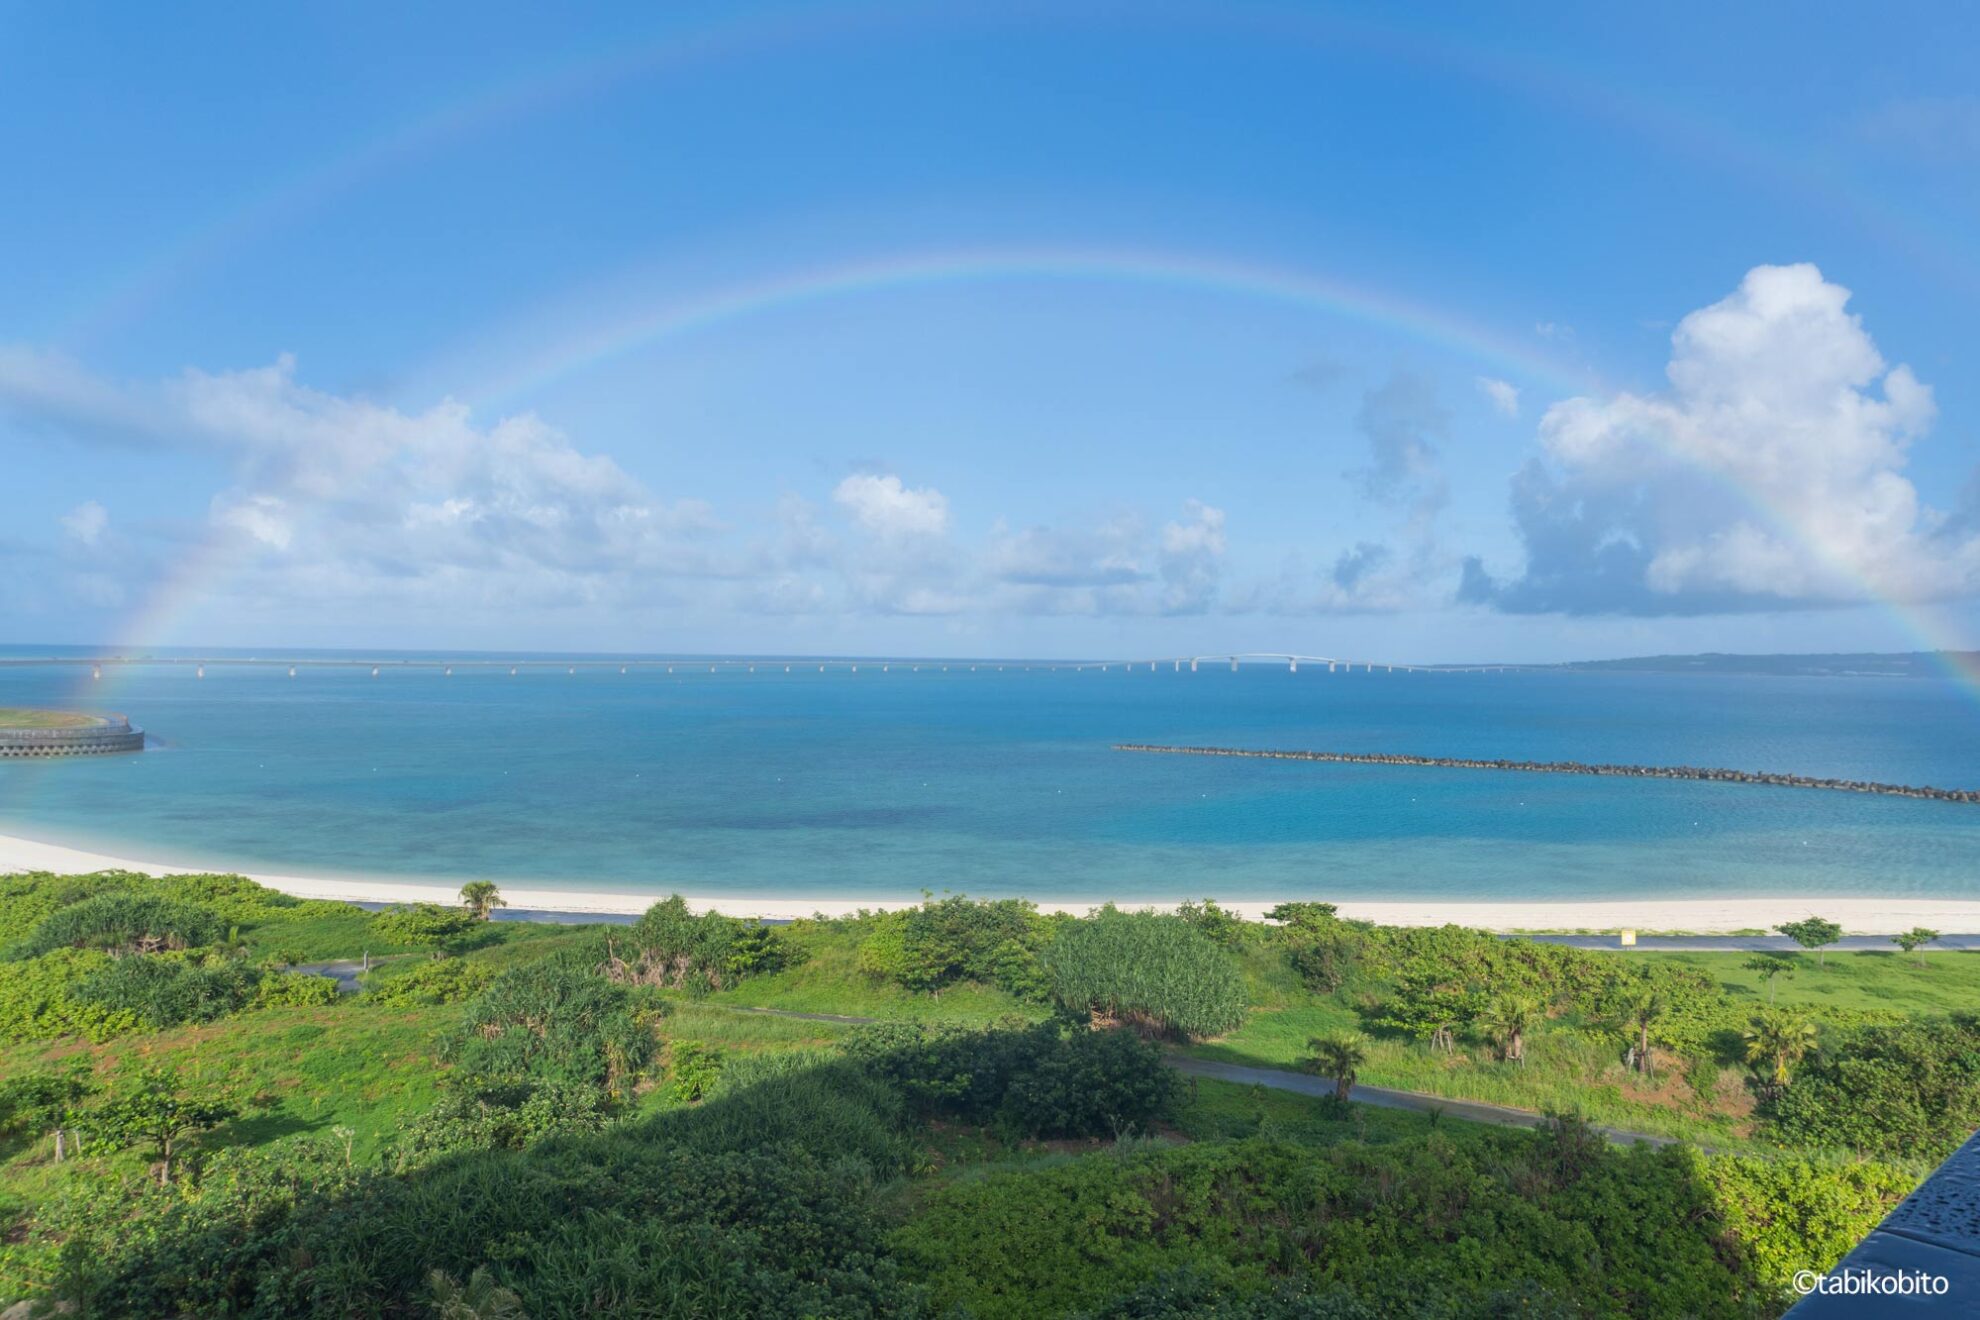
836	785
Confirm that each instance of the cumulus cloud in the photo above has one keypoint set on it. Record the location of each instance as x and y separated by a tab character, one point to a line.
1768	474
1403	423
1504	396
1192	559
86	522
887	507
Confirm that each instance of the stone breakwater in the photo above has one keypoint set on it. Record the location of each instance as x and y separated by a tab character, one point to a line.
1706	774
97	738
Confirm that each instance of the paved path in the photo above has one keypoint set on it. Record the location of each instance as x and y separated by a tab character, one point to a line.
344	971
1750	943
1381	1097
1280	1079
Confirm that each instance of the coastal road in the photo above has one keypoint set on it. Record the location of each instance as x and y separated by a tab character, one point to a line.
1747	943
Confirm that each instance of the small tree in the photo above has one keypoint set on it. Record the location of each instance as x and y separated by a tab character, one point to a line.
426	925
1812	933
153	1113
48	1102
1340	1057
481	898
1915	939
1768	966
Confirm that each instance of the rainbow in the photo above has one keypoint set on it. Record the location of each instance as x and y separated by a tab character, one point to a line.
1664	123
1181	271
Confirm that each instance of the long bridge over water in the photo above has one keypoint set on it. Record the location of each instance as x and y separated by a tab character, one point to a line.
682	665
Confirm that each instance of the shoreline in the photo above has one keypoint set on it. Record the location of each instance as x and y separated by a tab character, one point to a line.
1703	916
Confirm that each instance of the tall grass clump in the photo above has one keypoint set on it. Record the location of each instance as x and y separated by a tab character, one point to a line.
123	923
1153	971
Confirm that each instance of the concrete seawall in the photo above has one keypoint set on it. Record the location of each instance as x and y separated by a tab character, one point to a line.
114	734
1702	773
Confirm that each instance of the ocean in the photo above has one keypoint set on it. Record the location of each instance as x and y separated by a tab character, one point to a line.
851	786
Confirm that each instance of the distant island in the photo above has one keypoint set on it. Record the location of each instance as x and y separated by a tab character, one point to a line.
1836	664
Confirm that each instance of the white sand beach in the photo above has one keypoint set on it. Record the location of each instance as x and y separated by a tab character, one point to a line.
1858	916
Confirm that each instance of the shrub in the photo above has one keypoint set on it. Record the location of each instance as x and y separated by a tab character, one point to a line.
1909	1091
1433	1227
427	983
1792	1215
463	1121
1157	972
940	943
166	991
671	946
692	1068
124	923
38	1002
555	1020
1220	926
439	930
294	990
1090	1084
1030	1081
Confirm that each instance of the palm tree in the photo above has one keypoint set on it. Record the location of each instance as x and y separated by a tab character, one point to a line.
477	1299
1643	1011
481	897
1340	1057
1777	1040
1506	1021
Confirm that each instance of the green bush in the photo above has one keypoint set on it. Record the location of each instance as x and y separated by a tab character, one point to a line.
672	947
1433	1227
1152	971
294	990
427	983
1791	1215
37	999
692	1070
439	930
1910	1091
943	942
758	1203
555	1020
462	1121
1029	1081
165	991
124	923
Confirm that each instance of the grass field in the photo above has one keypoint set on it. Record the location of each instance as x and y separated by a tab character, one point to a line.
23	717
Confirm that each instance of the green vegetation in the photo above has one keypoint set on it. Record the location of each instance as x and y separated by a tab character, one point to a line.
1813	933
27	717
564	1120
1158	973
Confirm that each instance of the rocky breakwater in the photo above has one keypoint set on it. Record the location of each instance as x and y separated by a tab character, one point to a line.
1709	774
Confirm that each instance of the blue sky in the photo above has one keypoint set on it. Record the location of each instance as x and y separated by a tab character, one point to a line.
1407	332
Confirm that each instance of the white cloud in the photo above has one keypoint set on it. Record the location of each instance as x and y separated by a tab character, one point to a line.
885	507
1192	559
1770	472
86	522
1504	396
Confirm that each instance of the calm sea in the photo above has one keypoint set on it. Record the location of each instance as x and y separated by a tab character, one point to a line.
881	785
